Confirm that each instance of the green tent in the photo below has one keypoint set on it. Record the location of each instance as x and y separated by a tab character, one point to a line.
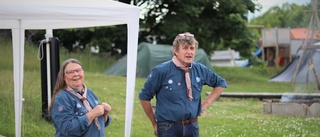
149	56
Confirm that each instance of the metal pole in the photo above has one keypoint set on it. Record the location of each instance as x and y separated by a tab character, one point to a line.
48	35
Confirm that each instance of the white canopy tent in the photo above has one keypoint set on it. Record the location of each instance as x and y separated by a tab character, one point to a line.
21	15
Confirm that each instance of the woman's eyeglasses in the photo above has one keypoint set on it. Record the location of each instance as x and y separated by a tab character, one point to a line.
71	72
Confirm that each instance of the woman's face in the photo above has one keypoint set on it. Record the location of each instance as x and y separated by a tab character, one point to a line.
74	76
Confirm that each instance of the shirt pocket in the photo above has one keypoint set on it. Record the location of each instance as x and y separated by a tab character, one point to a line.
173	91
196	90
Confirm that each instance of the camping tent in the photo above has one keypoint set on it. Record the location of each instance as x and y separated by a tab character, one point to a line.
20	15
287	74
150	55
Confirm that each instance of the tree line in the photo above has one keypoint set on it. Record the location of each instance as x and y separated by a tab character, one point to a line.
216	24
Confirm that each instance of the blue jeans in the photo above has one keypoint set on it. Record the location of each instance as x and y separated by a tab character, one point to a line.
171	129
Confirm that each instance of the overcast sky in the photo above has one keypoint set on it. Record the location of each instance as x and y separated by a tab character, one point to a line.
267	4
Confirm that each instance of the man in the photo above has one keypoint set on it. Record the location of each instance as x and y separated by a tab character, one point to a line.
177	85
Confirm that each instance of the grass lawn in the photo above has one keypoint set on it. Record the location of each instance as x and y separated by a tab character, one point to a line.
227	117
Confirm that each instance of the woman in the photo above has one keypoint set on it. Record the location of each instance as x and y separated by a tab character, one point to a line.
74	108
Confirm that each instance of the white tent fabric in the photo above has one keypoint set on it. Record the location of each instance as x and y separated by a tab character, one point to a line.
21	15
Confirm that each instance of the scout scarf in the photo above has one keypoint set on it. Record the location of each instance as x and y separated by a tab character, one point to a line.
84	101
187	76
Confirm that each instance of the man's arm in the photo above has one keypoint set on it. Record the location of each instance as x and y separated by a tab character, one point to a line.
216	92
148	110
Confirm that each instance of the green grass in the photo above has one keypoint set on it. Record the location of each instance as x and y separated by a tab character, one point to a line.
227	117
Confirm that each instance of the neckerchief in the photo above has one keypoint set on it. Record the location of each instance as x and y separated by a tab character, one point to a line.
187	76
84	101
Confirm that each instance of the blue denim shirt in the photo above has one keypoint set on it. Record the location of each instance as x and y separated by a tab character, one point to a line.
167	82
69	116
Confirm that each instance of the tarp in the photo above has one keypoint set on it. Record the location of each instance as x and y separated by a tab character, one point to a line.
287	74
150	55
21	15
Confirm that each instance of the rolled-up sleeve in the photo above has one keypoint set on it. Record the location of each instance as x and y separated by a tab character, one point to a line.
151	86
212	79
108	121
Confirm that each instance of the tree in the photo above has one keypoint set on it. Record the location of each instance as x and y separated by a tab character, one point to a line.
79	39
288	15
217	24
212	21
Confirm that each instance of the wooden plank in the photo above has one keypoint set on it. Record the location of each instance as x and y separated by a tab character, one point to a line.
311	47
268	95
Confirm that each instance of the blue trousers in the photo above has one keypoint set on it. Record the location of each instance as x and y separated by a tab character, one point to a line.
171	129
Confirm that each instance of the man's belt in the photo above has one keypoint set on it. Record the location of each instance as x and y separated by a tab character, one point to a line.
187	121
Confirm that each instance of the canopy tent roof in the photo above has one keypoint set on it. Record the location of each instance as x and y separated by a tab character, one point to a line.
21	15
36	14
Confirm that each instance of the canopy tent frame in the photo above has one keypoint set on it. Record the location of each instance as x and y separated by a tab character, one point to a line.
20	15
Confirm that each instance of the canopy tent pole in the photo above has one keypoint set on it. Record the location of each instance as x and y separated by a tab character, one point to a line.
48	35
18	61
132	42
21	15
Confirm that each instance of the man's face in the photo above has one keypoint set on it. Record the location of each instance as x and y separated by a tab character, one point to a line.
185	54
